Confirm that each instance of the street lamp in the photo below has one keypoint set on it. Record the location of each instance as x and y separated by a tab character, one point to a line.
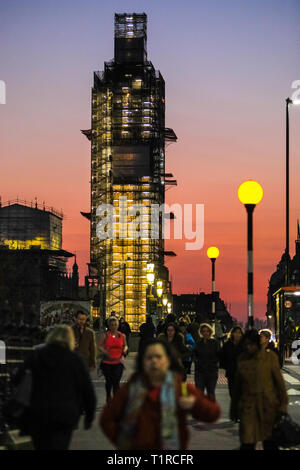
288	102
159	289
213	253
250	193
165	302
150	275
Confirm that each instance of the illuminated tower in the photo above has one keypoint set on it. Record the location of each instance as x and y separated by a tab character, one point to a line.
127	161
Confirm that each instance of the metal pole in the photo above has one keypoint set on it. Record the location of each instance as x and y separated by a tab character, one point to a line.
250	208
213	305
287	176
124	281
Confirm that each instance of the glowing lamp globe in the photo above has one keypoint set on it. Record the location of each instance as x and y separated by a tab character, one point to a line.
150	278
213	252
159	291
250	192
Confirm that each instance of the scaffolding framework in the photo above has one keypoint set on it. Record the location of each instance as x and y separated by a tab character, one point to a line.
127	161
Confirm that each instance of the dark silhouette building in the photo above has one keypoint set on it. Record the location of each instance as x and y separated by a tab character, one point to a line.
277	280
32	260
199	306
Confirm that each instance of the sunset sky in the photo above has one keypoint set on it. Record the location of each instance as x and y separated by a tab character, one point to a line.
228	67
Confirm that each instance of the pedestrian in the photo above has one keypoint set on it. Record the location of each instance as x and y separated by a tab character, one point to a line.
220	332
124	328
176	339
149	412
189	343
61	391
259	394
206	354
113	346
85	342
170	318
266	342
112	314
290	334
147	331
193	329
229	355
160	327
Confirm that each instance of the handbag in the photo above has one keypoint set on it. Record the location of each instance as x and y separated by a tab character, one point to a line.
286	432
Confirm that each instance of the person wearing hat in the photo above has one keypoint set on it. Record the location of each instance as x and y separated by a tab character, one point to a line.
266	342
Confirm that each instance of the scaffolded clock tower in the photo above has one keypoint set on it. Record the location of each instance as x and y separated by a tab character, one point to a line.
128	137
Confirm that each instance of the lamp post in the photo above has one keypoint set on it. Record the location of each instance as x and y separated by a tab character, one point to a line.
213	253
159	291
250	193
288	102
165	302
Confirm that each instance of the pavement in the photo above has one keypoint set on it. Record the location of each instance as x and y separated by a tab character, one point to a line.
222	435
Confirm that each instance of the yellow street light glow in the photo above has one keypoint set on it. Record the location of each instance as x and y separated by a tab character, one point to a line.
250	192
150	267
213	252
159	292
150	278
165	301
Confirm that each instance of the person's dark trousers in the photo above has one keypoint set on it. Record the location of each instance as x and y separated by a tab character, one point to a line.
112	374
187	366
268	445
52	440
206	381
247	447
230	381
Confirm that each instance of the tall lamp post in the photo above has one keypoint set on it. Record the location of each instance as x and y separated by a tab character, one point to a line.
165	302
250	193
288	102
213	253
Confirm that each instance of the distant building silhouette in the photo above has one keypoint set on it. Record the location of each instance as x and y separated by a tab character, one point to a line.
32	260
199	305
277	280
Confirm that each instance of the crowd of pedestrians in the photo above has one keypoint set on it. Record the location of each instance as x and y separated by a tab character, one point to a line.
150	410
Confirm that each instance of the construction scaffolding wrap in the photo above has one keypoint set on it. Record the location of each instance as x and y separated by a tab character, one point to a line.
127	168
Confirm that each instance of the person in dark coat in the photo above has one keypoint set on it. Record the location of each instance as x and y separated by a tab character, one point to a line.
160	327
176	339
229	355
206	354
85	342
124	328
61	391
147	331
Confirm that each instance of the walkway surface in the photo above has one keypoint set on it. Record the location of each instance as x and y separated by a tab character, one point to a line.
222	435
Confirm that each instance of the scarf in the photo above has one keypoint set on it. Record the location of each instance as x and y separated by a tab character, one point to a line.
138	391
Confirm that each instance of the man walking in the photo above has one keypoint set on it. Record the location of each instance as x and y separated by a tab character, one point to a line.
124	328
85	340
